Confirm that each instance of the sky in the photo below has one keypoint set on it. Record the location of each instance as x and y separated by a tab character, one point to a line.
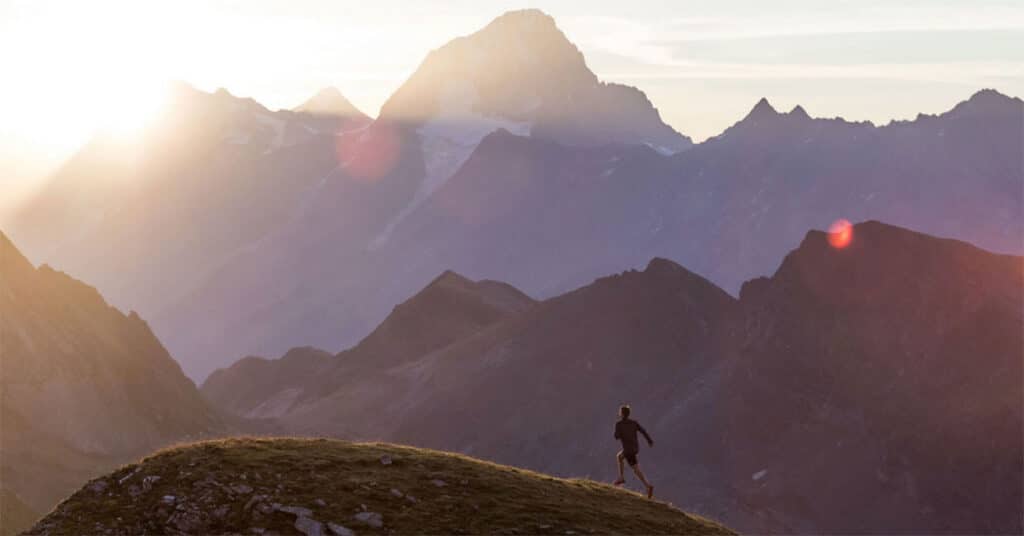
71	67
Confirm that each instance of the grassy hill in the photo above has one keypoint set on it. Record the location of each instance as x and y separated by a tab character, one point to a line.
290	486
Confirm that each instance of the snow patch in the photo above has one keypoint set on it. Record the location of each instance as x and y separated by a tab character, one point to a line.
660	149
759	475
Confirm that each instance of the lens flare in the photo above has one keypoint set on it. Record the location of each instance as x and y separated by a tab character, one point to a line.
369	154
840	233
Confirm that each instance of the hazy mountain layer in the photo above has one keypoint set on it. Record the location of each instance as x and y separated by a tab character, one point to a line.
239	231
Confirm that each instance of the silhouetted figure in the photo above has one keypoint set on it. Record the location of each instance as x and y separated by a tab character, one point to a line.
625	431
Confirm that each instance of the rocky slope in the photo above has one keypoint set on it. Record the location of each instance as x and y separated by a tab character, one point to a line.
84	385
292	486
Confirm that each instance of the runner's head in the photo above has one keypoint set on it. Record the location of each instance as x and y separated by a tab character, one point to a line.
624	411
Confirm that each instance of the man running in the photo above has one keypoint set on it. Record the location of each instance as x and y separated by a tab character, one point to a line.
625	431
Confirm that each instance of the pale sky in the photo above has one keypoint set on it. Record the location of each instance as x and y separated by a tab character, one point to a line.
72	66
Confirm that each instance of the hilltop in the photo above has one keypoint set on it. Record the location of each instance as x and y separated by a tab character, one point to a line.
320	486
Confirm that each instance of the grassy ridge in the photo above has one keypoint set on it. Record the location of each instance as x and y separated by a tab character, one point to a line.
238	485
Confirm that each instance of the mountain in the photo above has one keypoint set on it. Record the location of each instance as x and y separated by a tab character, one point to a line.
451	307
727	208
811	404
882	379
240	231
312	486
85	386
222	196
330	102
330	112
521	72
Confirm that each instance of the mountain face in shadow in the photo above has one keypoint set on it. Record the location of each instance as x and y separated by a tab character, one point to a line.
449	309
883	378
872	388
85	386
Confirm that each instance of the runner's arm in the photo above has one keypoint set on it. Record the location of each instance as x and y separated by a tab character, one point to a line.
644	432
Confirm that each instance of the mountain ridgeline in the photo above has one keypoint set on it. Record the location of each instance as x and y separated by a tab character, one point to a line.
237	230
813	403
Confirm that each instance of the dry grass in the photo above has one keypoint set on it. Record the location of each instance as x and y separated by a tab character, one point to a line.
336	479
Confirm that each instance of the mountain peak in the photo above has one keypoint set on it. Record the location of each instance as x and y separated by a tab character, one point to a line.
990	102
531	19
798	112
864	271
449	278
521	72
763	109
662	265
329	101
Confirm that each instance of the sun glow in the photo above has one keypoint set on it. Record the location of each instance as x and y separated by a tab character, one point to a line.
79	73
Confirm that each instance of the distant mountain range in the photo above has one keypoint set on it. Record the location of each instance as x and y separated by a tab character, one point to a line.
85	387
874	388
242	231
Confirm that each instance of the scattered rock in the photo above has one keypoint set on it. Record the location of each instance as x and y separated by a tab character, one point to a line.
339	530
297	511
385	460
186	521
320	502
543	527
147	483
308	526
438	482
241	489
411	499
257	530
396	493
129	475
98	486
221	512
372	519
168	499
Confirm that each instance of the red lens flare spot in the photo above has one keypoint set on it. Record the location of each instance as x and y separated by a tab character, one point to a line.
369	154
840	233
